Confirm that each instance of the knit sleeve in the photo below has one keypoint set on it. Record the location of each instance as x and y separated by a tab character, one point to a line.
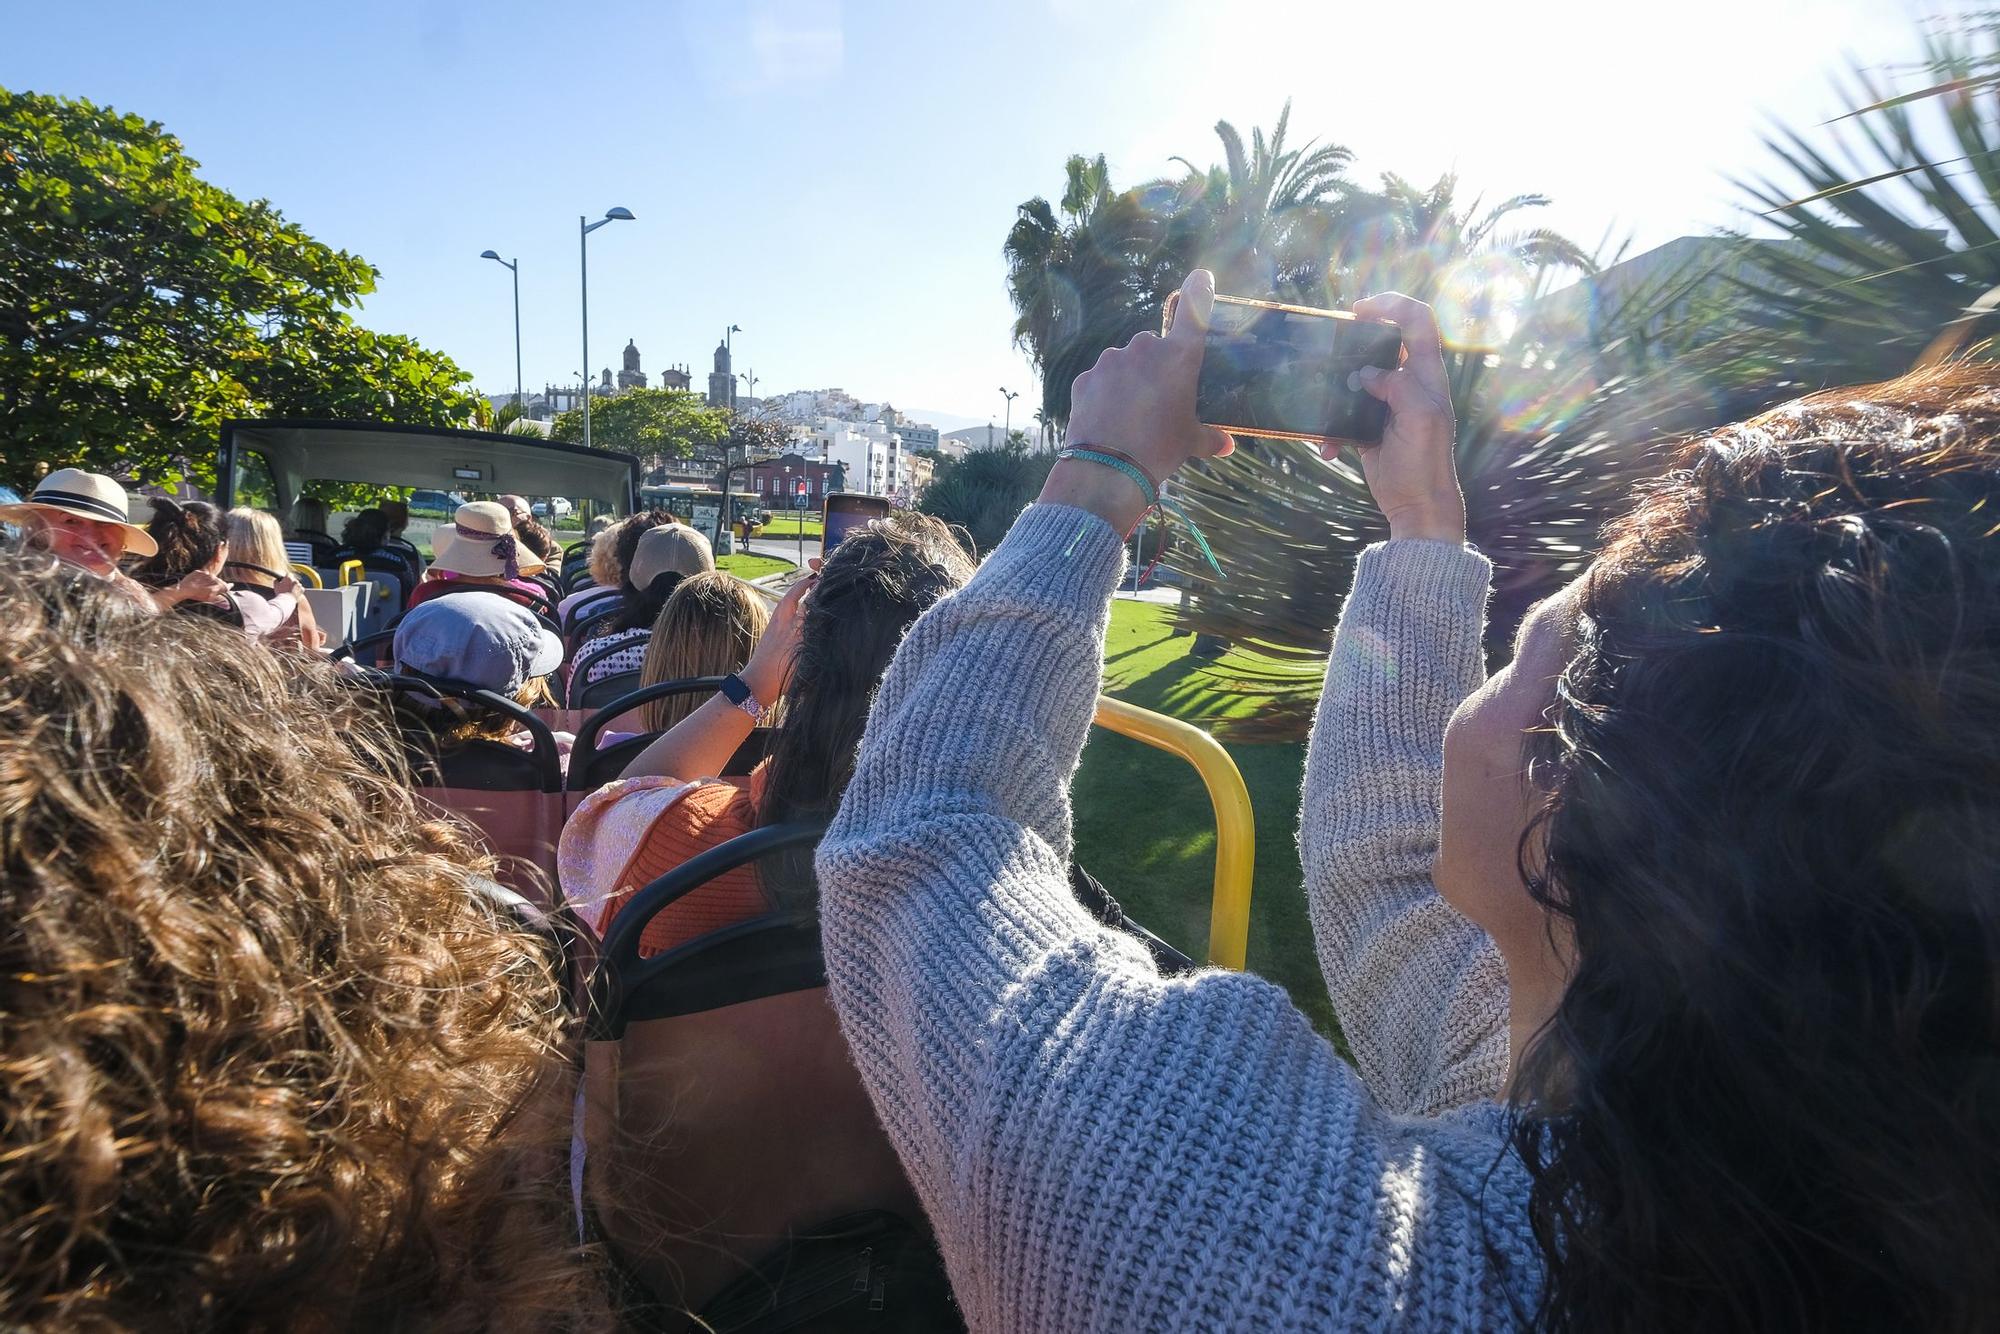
1421	992
1099	1147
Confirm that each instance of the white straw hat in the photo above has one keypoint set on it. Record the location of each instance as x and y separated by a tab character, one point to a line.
90	494
480	540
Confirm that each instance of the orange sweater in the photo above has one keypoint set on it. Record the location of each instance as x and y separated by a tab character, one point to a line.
634	831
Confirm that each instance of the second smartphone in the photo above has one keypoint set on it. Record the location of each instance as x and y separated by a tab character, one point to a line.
845	511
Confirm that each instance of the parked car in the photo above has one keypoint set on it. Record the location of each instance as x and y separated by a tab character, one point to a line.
444	503
553	508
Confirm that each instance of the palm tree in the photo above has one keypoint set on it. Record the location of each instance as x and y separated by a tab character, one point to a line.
1092	273
1078	278
1263	214
1897	255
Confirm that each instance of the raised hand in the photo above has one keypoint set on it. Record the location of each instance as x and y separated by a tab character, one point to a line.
1139	400
1413	473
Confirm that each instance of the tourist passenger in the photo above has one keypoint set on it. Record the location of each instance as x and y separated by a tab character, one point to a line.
396	513
479	546
309	526
485	641
270	1062
273	606
365	537
708	627
82	519
748	1171
822	655
184	573
1727	824
533	535
607	564
660	559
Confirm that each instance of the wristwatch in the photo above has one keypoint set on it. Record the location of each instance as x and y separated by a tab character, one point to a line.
737	692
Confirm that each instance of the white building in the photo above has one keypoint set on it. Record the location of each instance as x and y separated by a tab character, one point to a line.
872	454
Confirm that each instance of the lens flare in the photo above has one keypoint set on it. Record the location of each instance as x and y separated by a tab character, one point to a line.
1480	299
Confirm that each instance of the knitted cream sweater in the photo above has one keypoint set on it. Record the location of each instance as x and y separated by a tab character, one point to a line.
1100	1148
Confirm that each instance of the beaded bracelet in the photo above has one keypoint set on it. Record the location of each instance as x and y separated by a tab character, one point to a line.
1155	502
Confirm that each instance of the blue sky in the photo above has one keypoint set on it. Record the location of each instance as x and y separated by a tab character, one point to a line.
838	177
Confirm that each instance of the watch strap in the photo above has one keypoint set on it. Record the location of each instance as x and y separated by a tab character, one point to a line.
737	691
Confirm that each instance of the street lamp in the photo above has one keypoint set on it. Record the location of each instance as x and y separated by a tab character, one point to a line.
1007	434
583	230
514	267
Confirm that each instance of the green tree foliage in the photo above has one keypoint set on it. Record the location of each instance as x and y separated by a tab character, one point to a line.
671	423
750	434
985	491
140	306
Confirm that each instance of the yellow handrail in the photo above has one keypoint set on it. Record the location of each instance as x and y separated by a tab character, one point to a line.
350	570
308	575
1235	826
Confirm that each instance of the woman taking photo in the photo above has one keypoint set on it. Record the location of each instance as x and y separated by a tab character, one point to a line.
1727	823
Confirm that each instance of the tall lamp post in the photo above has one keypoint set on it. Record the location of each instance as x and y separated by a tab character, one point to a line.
1007	435
584	228
514	267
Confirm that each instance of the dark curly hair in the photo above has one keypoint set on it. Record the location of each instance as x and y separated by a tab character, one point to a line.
1770	1096
265	1061
188	534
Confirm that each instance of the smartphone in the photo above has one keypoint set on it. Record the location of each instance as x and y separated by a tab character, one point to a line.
1281	371
846	511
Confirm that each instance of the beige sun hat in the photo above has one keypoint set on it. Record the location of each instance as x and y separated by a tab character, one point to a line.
669	549
90	494
480	541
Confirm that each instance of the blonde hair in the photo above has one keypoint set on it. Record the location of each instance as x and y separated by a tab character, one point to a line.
708	627
255	539
269	1061
605	570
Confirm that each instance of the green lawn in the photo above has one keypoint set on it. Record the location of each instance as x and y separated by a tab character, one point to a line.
752	567
1144	825
788	525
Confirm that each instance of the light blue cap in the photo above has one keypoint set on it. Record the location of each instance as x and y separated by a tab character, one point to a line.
478	639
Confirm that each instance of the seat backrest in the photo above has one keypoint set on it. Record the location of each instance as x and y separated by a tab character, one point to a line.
537	602
592	765
719	1066
594	621
477	765
603	602
588	657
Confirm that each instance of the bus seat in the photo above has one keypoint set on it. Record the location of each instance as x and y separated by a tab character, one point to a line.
592	765
717	1070
593	621
510	795
584	693
537	602
603	601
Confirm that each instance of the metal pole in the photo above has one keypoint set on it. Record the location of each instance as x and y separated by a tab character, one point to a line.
516	267
583	254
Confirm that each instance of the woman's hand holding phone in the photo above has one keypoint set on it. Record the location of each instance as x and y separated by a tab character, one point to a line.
1413	473
1139	400
771	661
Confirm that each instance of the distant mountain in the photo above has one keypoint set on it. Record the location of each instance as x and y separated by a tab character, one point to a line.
945	421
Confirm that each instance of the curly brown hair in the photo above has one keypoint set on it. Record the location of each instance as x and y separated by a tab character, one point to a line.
1767	1099
265	1059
